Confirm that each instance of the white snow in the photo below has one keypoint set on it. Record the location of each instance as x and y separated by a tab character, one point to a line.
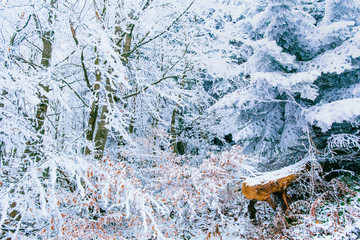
335	112
277	174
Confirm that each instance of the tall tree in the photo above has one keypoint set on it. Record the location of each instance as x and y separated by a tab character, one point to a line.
283	76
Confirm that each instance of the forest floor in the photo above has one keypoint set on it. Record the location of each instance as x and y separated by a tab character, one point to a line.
333	214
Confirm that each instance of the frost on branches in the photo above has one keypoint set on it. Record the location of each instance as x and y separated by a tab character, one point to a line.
141	119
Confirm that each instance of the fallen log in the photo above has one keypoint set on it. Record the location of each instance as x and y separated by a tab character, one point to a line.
261	187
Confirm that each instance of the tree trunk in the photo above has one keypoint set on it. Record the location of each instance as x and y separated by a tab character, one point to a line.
47	38
173	131
45	61
98	127
128	40
94	108
102	129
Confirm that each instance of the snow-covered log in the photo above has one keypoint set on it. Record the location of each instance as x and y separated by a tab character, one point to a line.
261	187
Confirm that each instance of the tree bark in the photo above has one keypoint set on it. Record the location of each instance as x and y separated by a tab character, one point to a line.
45	61
128	40
173	131
102	129
94	108
47	39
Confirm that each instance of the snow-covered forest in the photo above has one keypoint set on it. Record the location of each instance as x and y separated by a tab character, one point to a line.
168	119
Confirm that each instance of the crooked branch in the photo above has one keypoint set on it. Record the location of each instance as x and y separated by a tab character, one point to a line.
164	77
143	41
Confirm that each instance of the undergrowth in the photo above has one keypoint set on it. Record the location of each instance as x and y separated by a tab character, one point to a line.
333	212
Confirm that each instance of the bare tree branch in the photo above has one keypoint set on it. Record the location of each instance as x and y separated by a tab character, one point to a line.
143	42
82	100
86	76
163	76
